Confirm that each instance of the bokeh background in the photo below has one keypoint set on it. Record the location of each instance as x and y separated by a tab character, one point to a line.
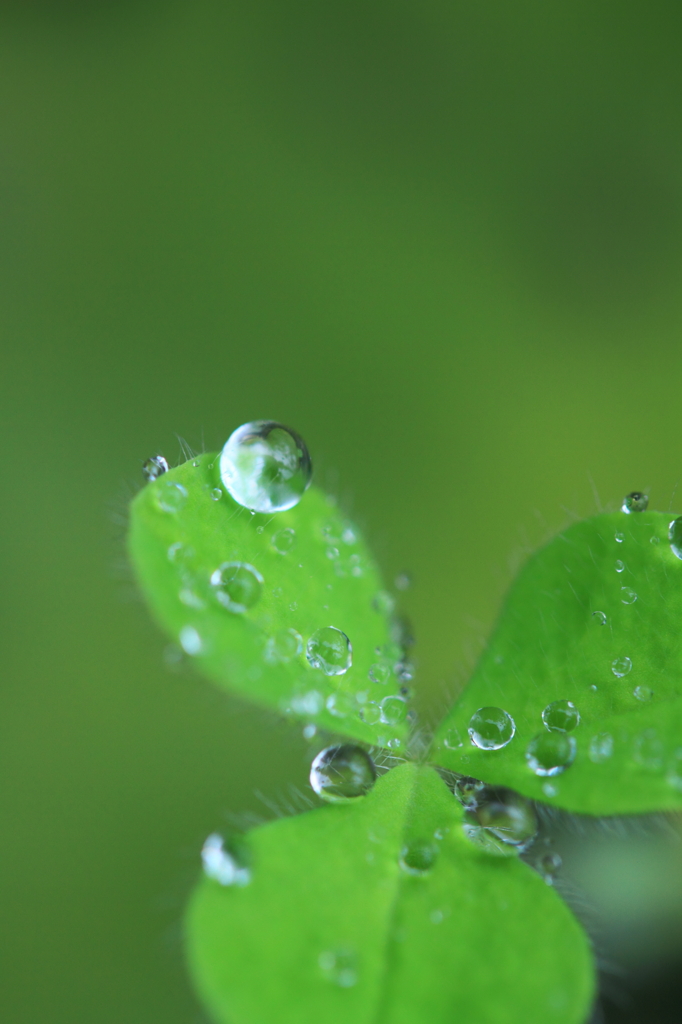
440	239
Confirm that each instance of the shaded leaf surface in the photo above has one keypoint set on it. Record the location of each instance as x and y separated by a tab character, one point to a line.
476	938
326	578
550	645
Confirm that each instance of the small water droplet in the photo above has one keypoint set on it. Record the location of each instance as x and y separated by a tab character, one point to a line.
418	857
190	599
283	646
383	603
348	536
308	704
600	618
309	731
283	541
342	773
379	672
340	705
332	553
600	747
237	586
216	493
550	789
648	750
628	595
674	776
550	753
593	687
370	713
154	468
654	540
636	501
621	666
265	466
643	693
403	580
190	641
561	716
436	917
620	565
293	606
468	791
220	865
329	649
491	728
393	710
620	537
453	739
548	864
339	966
170	496
675	536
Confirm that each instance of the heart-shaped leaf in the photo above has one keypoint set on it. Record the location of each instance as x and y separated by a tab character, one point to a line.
273	607
383	912
595	618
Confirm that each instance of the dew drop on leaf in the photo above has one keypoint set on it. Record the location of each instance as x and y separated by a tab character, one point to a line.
379	672
636	501
191	641
341	705
620	565
343	773
383	603
403	580
648	750
370	713
339	966
600	747
621	666
283	646
600	618
220	865
393	710
675	536
418	857
265	466
283	541
453	739
620	537
550	753
491	728
628	595
643	693
216	493
237	586
561	716
468	791
154	468
674	775
506	815
329	649
548	864
170	496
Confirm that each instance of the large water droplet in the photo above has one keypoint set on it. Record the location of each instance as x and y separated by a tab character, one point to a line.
561	716
418	857
506	815
628	595
550	753
675	536
491	728
636	501
648	749
237	586
284	646
393	710
621	666
265	466
190	641
343	773
220	865
600	747
339	966
283	541
154	468
643	693
600	618
329	649
170	496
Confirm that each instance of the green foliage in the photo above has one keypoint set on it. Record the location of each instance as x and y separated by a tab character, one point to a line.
304	589
332	929
550	645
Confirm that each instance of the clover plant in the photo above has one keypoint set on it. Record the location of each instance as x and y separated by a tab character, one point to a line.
402	899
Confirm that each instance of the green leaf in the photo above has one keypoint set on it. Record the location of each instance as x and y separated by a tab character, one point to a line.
331	929
550	645
184	525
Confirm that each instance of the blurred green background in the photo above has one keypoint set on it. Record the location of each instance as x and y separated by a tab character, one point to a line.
441	240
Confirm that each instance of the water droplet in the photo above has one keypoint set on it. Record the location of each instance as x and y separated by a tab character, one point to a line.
648	750
643	693
628	595
486	840
418	857
491	728
370	713
436	917
675	536
620	537
561	716
468	791
237	586
216	493
170	496
654	540
393	743
283	540
379	672
190	640
506	815
635	502
550	753
593	687
154	468
293	606
220	865
600	747
383	603
329	649
403	580
550	789
453	739
340	967
393	710
599	617
265	466
332	553
620	565
173	657
343	773
309	731
190	599
348	536
621	666
283	646
341	705
548	865
309	704
674	776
